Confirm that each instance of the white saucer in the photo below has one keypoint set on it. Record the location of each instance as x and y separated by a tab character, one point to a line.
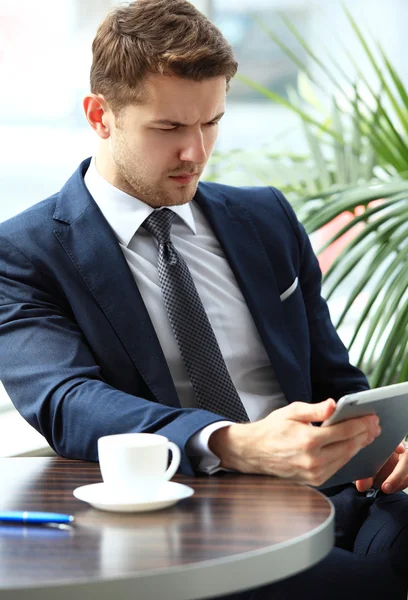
99	496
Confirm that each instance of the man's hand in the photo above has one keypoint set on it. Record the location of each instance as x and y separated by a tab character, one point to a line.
287	445
393	475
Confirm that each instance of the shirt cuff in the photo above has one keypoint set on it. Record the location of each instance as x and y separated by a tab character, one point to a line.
198	446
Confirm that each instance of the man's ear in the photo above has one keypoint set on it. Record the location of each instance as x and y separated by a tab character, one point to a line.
98	114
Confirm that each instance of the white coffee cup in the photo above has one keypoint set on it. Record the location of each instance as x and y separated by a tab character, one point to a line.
134	465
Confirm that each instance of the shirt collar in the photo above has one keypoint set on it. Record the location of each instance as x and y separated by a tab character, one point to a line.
125	213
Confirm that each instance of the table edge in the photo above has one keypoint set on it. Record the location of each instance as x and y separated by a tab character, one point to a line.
211	577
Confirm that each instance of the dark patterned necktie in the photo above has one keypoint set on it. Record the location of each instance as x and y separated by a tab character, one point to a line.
192	329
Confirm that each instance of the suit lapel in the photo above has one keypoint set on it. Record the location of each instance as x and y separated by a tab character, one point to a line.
248	259
92	246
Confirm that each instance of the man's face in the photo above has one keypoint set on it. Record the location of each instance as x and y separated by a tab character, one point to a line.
157	150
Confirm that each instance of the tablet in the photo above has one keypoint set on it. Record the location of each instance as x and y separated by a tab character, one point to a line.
390	403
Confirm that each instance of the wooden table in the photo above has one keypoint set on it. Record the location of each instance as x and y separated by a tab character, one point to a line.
236	532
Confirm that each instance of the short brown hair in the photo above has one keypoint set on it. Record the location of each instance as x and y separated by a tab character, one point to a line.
166	37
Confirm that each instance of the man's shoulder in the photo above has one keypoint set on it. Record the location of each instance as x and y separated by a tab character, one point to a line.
33	216
241	193
260	201
40	217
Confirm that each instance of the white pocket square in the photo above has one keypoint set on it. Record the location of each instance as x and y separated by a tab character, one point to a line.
290	290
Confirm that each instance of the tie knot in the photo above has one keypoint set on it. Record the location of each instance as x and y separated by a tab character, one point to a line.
159	223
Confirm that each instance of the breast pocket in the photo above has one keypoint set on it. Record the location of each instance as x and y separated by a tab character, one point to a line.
296	323
291	290
294	312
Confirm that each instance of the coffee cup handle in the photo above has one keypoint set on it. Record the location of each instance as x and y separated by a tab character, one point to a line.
175	460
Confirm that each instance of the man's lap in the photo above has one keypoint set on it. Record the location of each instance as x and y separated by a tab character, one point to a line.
340	576
370	562
381	527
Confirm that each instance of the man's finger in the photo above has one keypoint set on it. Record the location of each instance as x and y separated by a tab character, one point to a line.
334	456
349	429
396	480
312	413
363	485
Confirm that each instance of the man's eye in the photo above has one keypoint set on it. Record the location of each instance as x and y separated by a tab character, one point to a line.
167	129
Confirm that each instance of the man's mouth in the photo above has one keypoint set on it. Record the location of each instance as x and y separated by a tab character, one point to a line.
184	178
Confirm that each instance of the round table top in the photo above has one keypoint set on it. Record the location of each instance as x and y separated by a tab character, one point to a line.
236	532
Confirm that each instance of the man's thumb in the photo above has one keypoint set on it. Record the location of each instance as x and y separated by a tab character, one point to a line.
310	413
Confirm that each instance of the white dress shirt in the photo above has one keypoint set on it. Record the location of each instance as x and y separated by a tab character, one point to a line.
234	328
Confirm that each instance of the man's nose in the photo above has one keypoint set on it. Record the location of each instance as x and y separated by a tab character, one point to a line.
193	149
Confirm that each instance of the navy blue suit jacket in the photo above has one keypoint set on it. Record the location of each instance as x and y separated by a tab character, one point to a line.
79	356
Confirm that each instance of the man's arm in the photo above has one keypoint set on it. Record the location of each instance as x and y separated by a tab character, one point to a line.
53	379
332	375
285	443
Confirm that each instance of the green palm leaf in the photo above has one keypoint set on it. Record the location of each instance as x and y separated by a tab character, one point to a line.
356	164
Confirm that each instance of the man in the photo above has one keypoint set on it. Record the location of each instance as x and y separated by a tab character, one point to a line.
136	299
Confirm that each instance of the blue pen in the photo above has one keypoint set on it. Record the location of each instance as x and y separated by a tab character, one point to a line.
17	516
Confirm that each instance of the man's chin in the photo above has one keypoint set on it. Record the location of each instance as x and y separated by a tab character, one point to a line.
180	196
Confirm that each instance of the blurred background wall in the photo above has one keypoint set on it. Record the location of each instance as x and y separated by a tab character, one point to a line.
45	54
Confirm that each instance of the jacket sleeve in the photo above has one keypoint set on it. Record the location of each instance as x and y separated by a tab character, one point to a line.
53	379
332	375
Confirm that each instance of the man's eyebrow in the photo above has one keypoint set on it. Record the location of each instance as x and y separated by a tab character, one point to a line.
177	124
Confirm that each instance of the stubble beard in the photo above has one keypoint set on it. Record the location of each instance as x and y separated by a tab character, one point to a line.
156	195
137	184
